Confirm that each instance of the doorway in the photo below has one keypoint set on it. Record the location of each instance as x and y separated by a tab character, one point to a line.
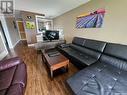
21	30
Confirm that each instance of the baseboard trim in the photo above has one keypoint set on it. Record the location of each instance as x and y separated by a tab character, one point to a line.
23	40
31	45
15	44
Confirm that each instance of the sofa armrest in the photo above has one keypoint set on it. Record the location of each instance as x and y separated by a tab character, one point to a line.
8	63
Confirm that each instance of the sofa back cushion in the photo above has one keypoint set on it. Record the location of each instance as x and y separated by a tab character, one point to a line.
78	41
116	55
87	51
95	45
116	50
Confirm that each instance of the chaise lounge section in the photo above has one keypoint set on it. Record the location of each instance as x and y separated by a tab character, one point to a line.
13	77
105	77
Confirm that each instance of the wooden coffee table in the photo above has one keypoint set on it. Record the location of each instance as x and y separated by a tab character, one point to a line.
55	60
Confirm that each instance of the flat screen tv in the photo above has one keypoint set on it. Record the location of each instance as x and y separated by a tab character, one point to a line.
50	35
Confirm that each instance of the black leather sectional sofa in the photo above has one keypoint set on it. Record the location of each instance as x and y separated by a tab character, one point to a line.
104	67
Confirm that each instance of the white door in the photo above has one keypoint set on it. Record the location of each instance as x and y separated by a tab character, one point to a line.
3	50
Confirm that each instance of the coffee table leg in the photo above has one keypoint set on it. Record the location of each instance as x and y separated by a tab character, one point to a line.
67	67
51	72
43	59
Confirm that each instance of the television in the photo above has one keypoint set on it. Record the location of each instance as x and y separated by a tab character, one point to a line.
50	35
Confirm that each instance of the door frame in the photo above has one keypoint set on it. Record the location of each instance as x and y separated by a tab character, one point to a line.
5	52
3	32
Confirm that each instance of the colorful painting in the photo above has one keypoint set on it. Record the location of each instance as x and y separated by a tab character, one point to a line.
91	20
30	25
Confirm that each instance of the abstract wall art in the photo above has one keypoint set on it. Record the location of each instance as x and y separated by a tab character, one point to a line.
91	20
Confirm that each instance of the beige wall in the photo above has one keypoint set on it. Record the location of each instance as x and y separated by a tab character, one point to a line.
114	28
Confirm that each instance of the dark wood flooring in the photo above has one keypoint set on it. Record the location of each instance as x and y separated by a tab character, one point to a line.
39	82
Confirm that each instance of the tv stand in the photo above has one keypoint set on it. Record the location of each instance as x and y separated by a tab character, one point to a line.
48	44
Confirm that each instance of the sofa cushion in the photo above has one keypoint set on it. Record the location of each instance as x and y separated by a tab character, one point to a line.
116	55
83	58
95	45
121	64
99	79
16	89
77	81
79	41
6	77
20	75
86	51
69	50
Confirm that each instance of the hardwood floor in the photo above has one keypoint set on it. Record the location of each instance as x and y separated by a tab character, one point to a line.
39	82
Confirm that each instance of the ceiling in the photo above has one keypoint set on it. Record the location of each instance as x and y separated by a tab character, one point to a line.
51	8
